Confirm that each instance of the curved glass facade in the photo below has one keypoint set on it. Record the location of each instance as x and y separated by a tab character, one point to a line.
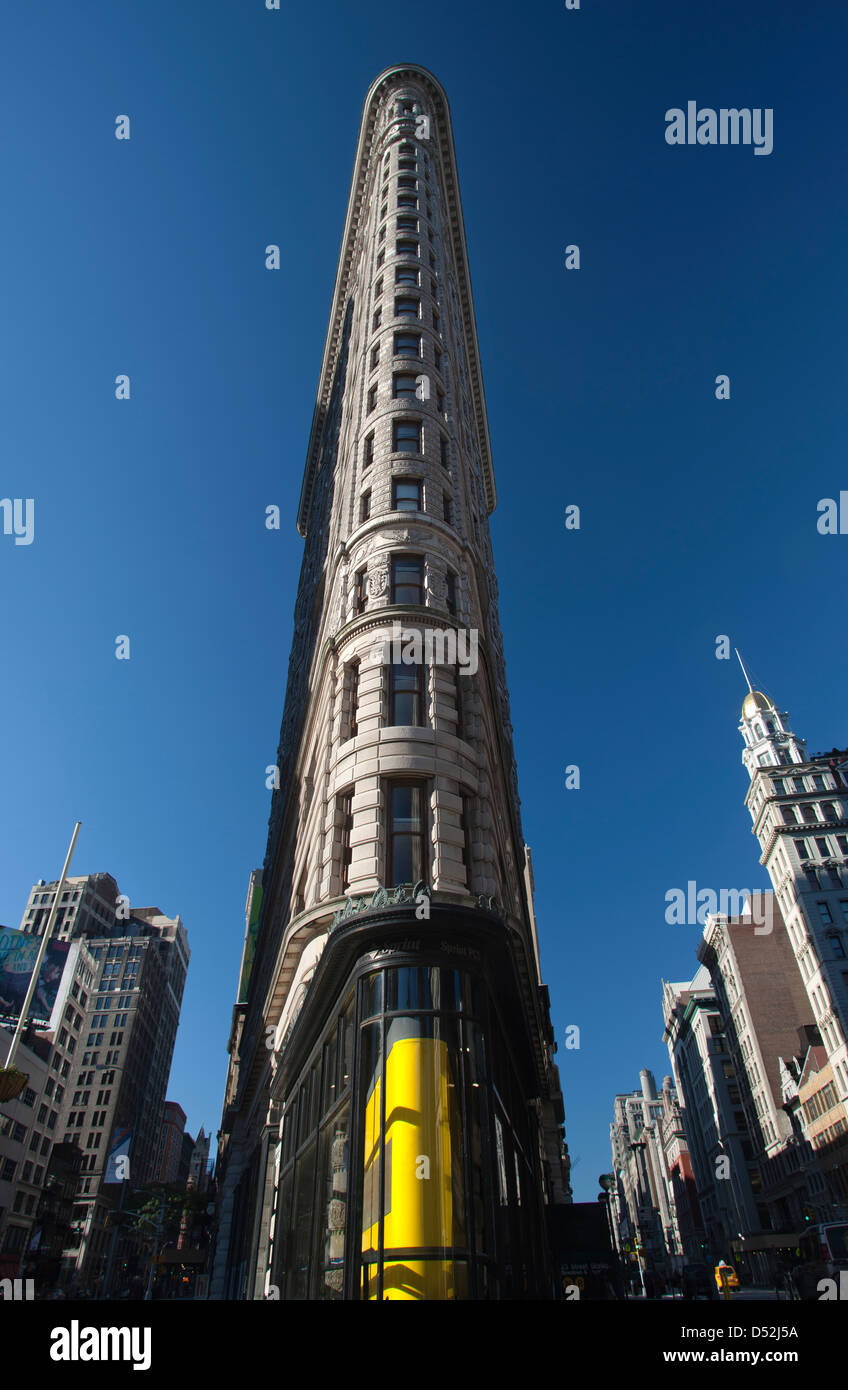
409	1165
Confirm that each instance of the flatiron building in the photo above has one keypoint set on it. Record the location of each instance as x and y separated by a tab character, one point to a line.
393	1123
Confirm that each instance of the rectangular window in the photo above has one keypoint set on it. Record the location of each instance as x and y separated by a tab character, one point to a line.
447	508
406	495
407	308
404	386
406	247
406	436
361	593
353	699
407	275
372	399
377	319
443	448
407	345
368	451
345	822
407	224
408	579
825	913
406	700
406	849
375	356
365	506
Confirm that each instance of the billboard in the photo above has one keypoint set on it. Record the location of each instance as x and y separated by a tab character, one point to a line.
118	1162
18	951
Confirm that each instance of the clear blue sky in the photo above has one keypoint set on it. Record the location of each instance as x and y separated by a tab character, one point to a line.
698	516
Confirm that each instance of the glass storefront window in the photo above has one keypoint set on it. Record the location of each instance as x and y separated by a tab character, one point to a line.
442	1202
331	1225
301	1223
330	1090
346	1059
370	1108
415	1179
372	995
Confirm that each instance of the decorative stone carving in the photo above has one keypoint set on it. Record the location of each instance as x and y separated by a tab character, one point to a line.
436	584
378	580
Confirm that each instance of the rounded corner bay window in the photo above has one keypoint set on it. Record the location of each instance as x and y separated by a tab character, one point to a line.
408	1166
424	1227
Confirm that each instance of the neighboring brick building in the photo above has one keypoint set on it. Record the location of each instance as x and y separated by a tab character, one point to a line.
763	1003
170	1143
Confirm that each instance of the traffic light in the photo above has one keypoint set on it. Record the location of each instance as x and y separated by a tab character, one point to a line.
808	1214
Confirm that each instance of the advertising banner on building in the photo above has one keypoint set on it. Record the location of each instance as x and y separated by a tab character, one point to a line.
18	952
118	1162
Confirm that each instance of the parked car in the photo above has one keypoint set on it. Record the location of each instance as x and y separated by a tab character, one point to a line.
823	1253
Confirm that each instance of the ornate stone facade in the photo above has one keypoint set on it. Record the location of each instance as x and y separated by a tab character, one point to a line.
394	510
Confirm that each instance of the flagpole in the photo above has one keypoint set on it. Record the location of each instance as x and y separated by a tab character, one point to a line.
42	949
